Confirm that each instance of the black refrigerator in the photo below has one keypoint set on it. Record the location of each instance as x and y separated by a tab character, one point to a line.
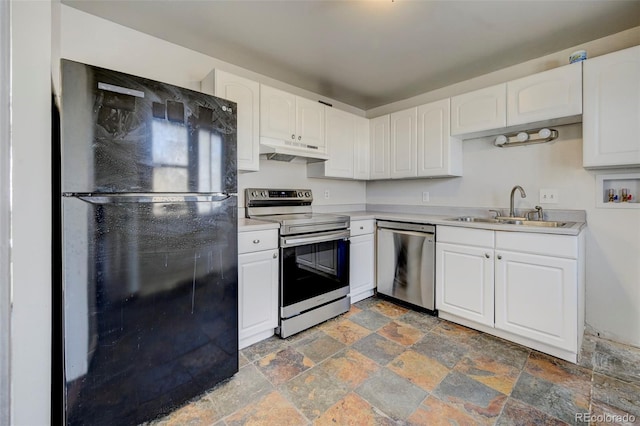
149	245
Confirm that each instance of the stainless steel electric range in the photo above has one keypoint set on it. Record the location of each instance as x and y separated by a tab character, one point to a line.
314	256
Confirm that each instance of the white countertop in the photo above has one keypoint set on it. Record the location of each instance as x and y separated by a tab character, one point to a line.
443	220
247	225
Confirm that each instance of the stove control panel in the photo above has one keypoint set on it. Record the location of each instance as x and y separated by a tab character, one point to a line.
297	196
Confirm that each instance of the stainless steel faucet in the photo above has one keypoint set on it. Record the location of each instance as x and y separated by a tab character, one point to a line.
513	191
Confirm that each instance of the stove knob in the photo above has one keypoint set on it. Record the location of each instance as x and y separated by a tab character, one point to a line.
253	193
264	194
300	195
307	194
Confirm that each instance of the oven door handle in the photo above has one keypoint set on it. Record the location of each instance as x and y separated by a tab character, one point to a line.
312	239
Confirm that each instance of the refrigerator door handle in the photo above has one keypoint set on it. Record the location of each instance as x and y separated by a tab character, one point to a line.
148	198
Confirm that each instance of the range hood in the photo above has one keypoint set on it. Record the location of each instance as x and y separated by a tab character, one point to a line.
279	150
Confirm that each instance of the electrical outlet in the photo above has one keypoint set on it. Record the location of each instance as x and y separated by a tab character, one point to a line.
326	194
425	197
549	196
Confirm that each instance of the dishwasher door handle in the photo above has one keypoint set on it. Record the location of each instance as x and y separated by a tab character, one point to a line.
427	235
406	226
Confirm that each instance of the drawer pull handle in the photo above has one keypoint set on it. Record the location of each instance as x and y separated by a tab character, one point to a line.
486	255
275	255
362	227
256	241
499	257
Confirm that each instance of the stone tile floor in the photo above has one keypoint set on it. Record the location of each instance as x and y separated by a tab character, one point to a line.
381	364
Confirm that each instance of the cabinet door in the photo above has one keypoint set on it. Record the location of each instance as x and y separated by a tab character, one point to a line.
246	94
611	117
379	148
402	143
547	95
310	123
438	153
340	136
257	295
536	297
361	267
277	114
464	282
362	149
483	109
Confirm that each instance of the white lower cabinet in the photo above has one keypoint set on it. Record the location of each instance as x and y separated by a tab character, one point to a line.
525	287
362	260
464	281
257	286
536	297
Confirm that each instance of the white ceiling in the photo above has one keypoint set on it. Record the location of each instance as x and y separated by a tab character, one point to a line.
373	52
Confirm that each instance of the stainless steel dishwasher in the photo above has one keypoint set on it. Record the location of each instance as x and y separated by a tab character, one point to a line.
405	262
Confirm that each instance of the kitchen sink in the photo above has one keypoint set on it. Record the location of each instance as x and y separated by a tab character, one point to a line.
474	219
514	221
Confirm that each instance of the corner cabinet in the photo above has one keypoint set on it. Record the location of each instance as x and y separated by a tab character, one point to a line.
403	143
537	286
258	266
246	94
362	165
611	119
379	153
362	260
415	143
287	117
347	145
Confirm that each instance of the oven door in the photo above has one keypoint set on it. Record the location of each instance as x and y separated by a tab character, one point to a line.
314	270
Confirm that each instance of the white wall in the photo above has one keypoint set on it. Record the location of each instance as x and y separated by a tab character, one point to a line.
613	235
31	212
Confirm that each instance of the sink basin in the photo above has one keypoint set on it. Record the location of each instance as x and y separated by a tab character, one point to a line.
474	219
514	221
541	223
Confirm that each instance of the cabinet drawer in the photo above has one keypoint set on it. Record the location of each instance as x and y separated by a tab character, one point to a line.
361	227
544	244
464	236
257	240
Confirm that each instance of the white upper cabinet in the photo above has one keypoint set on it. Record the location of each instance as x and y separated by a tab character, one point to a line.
379	133
340	136
544	96
310	123
611	119
246	94
483	109
277	114
402	143
287	117
439	154
362	149
551	97
347	146
416	142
